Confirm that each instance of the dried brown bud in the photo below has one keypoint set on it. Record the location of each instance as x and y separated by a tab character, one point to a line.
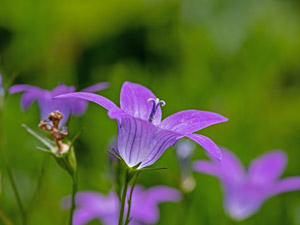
52	127
55	117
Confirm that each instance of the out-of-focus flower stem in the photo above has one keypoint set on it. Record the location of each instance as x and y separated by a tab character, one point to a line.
8	169
231	221
4	218
41	179
74	190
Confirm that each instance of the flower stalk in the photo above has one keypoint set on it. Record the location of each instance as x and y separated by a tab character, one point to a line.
73	204
63	153
130	199
4	150
4	218
130	173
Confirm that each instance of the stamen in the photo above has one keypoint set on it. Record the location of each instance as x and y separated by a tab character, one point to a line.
156	104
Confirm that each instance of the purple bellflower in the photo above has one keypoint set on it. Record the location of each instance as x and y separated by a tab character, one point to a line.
246	190
93	205
46	102
142	136
1	86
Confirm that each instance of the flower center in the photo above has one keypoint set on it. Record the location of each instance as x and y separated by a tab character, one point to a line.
156	104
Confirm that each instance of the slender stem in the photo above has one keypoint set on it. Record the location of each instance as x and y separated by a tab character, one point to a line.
231	221
8	169
74	190
186	204
4	218
130	199
40	182
123	199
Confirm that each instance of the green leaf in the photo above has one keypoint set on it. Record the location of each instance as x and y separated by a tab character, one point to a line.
148	169
76	136
46	141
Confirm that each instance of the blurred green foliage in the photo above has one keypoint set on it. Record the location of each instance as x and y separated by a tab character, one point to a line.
238	58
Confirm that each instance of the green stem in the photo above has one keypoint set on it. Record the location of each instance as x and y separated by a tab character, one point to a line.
4	218
123	199
73	206
9	172
231	221
40	183
186	204
130	199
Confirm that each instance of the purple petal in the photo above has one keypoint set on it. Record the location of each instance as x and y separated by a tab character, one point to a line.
164	194
207	144
141	141
230	170
27	99
83	216
134	101
62	89
117	113
244	200
31	94
189	121
1	86
96	87
92	205
286	185
145	202
98	99
22	87
79	107
207	167
267	167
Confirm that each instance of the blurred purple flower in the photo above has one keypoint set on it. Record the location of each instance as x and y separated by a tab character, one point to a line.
48	105
144	210
246	190
1	86
142	136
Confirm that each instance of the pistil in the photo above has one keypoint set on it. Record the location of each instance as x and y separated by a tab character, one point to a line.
156	104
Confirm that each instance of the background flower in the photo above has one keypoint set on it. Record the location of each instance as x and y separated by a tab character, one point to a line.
246	190
144	209
48	105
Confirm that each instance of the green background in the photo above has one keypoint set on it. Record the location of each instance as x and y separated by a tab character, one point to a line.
234	57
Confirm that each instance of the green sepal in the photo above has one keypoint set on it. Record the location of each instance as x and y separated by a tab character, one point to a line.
148	169
67	161
46	141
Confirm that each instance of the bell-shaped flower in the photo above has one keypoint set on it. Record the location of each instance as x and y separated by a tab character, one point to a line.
1	87
246	190
142	136
144	210
46	103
